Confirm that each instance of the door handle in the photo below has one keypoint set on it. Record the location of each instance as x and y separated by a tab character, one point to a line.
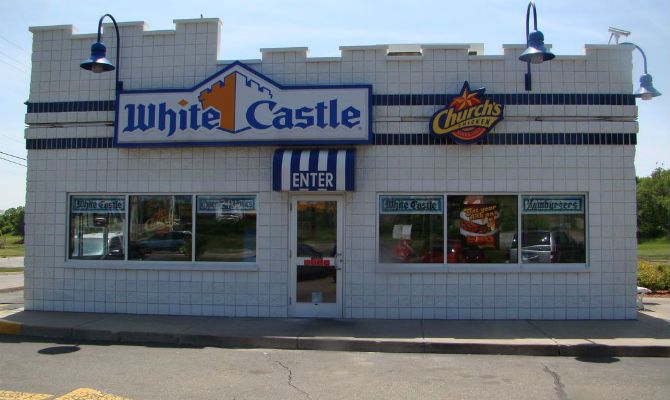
339	261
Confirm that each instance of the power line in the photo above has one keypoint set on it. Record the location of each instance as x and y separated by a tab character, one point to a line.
15	60
16	68
11	155
12	138
4	159
14	44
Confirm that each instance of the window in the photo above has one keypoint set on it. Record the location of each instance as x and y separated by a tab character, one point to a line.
411	229
160	228
96	227
226	228
481	228
553	230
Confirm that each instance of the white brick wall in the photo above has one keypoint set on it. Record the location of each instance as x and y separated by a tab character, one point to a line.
181	58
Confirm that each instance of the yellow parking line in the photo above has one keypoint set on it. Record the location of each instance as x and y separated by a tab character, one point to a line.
8	395
89	394
79	394
10	328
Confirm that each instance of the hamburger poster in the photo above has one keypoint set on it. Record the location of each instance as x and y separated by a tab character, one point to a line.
479	224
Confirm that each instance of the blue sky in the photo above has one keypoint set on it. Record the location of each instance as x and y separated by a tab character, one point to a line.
323	26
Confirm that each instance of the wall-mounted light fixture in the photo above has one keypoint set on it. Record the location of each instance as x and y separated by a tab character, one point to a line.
646	90
98	61
536	52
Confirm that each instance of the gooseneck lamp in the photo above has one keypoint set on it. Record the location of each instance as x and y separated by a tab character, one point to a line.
98	61
646	90
536	52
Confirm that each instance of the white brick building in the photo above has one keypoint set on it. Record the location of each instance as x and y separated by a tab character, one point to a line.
258	252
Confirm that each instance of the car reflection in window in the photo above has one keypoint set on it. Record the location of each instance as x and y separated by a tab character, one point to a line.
547	247
165	241
305	250
228	217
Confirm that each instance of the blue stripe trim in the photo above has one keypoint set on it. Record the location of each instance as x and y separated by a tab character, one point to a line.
614	99
332	165
313	160
387	139
295	164
69	143
350	173
276	169
618	99
70	106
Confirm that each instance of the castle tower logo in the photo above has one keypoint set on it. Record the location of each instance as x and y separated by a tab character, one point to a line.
468	116
222	96
239	106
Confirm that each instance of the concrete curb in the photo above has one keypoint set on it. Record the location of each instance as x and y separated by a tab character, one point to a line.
331	344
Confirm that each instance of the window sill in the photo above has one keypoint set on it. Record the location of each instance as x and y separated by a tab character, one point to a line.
417	268
161	265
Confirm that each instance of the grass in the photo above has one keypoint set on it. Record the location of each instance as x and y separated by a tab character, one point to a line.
5	270
655	250
9	246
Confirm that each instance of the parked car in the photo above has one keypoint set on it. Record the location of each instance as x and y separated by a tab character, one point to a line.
92	245
116	246
547	247
165	241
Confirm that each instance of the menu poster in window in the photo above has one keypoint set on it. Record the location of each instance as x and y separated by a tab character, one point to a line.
402	232
479	224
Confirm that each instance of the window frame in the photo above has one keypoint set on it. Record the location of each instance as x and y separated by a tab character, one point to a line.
483	267
127	264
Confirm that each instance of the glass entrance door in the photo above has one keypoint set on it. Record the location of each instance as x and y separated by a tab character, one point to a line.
316	256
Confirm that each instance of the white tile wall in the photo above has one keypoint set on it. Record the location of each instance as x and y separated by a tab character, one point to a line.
189	54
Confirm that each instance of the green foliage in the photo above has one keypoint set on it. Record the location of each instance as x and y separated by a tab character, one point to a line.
11	222
653	204
653	276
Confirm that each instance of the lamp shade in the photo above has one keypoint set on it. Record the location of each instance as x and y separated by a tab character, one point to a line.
98	61
536	52
646	90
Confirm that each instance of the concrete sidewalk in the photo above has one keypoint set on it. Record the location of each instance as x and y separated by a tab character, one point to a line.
11	262
648	336
11	281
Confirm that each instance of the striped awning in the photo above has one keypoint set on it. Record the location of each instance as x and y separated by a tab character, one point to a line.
313	170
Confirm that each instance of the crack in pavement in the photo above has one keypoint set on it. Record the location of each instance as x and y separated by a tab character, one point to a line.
290	375
559	387
547	335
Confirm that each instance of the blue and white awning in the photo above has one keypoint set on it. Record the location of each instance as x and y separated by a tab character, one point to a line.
313	170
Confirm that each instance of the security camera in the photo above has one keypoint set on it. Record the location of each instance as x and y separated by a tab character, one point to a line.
616	33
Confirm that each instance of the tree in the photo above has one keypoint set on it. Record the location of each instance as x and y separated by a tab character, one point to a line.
11	222
653	205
